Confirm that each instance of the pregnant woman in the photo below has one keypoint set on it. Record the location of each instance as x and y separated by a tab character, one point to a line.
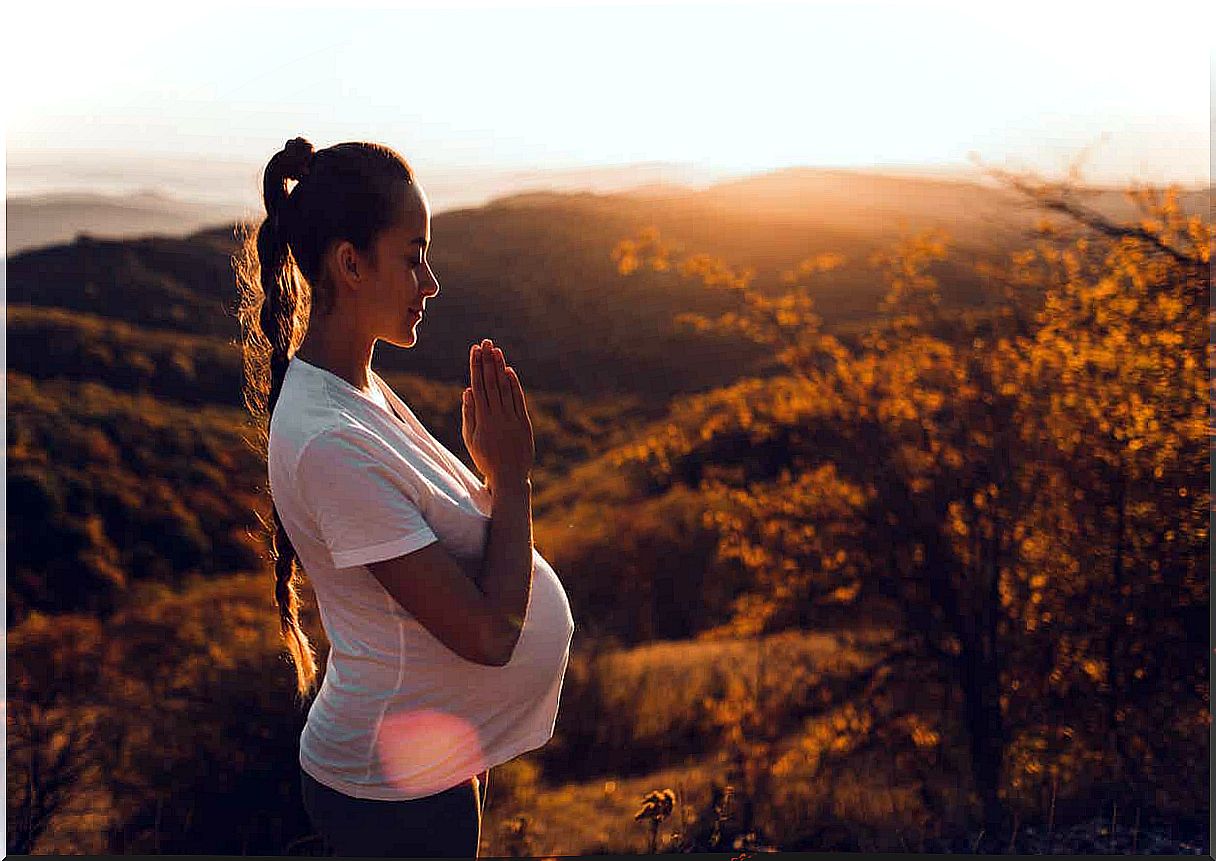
449	634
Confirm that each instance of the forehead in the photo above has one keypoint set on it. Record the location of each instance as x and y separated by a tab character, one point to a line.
414	217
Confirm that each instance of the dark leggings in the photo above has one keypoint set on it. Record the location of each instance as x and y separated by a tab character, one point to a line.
447	824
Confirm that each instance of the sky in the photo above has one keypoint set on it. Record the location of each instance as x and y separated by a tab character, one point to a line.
730	88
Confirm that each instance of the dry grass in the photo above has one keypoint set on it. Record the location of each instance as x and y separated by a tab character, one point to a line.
630	710
829	786
597	816
661	689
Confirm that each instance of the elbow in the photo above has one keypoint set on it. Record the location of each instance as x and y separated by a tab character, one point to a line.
502	643
499	662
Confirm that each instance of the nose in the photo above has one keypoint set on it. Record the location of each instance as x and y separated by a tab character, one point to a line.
433	284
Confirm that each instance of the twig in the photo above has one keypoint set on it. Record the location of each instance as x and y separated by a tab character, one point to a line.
1059	201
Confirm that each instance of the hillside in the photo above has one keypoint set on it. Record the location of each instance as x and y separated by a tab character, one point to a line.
98	327
152	319
132	194
39	220
535	272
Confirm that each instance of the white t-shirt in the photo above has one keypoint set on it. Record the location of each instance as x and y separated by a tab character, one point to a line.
398	714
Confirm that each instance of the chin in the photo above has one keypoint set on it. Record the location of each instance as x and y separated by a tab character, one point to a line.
403	341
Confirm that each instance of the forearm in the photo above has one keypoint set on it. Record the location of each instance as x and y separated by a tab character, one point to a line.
506	573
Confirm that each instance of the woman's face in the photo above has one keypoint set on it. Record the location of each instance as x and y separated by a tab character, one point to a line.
403	274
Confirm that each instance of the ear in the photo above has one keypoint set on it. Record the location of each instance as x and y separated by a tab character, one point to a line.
348	259
343	264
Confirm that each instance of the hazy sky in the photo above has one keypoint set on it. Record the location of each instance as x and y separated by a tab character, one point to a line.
732	87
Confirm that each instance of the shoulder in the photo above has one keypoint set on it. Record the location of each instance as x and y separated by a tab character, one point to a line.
344	446
318	437
337	439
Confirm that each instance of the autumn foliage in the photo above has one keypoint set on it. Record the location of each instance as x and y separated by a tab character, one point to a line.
1027	490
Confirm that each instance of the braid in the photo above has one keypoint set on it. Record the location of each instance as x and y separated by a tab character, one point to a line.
268	347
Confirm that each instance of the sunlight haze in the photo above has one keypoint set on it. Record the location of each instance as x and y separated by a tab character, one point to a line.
726	88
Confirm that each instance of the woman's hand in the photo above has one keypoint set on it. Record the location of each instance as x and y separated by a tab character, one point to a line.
496	428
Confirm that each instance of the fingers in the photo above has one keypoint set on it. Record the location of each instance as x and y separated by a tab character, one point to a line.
504	382
494	387
468	411
517	393
493	383
477	376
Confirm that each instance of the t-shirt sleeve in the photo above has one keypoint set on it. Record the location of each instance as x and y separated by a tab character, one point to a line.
365	508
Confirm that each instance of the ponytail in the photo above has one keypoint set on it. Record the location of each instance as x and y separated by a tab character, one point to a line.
271	303
349	191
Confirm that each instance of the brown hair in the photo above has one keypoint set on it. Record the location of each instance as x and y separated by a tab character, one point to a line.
349	191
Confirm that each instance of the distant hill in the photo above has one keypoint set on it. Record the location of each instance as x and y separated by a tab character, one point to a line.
534	271
863	197
176	197
568	322
52	219
155	195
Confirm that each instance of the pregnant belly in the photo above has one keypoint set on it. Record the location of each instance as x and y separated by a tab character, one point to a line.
548	624
543	647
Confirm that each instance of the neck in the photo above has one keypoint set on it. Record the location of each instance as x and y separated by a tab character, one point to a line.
344	354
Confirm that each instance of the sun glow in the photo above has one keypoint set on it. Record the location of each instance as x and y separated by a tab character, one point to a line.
735	87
